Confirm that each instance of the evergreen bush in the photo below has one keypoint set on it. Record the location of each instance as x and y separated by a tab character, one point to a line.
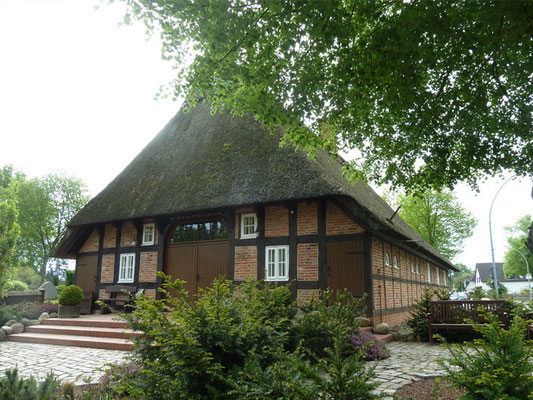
497	366
70	296
13	387
69	277
418	316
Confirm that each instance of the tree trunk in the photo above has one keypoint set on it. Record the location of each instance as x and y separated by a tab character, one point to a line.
43	270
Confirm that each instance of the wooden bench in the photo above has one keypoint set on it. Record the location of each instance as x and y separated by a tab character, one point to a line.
117	289
450	314
529	316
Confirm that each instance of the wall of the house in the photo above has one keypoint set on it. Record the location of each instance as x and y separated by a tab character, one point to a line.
395	290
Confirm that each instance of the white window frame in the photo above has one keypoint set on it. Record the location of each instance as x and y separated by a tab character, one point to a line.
395	262
438	275
445	276
387	260
248	235
126	271
417	268
148	242
413	268
429	273
276	263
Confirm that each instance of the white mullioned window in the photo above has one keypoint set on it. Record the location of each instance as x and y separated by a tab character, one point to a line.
277	263
127	268
395	262
148	234
429	273
248	225
387	260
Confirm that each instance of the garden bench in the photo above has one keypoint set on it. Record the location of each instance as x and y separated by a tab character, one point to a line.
450	314
116	289
529	316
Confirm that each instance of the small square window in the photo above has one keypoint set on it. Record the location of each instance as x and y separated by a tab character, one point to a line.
148	234
248	226
277	263
127	268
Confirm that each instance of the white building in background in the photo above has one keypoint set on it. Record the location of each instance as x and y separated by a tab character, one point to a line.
483	274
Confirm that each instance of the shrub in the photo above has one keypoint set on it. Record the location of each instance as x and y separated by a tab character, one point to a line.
17	286
71	296
477	294
8	312
13	387
370	349
419	320
30	310
69	277
60	289
497	366
117	380
49	307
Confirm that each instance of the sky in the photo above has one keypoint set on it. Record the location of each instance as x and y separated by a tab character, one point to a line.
77	94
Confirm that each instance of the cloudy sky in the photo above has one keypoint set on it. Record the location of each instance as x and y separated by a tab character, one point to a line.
77	95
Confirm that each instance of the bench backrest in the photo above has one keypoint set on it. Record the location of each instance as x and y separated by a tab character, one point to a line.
452	311
120	289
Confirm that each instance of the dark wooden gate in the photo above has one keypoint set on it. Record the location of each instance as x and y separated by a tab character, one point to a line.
197	263
346	266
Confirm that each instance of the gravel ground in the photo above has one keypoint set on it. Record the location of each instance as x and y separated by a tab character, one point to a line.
429	389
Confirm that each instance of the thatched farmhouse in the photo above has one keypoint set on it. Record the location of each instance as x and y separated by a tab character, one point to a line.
217	195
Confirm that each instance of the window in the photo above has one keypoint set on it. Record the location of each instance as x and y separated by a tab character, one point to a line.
277	265
148	234
429	273
387	261
437	270
395	261
196	232
413	268
248	226
444	276
417	269
127	268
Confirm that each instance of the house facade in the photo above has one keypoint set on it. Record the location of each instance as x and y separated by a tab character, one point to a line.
483	278
216	195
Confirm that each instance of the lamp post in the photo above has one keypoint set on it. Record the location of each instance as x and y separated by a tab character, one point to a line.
494	274
527	269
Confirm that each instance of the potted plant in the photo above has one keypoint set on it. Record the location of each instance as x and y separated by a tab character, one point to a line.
69	302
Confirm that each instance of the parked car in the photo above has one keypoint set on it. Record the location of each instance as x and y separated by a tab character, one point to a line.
459	296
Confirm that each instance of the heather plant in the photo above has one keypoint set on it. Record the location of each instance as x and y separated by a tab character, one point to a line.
49	307
119	380
499	365
365	343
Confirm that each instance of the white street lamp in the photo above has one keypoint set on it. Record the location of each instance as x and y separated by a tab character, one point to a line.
527	269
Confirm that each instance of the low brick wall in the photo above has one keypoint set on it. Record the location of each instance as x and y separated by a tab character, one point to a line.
24	297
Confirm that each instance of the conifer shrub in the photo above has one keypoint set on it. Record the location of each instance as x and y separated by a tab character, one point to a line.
71	296
499	365
14	387
418	316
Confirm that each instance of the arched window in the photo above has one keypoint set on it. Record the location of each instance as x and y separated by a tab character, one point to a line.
195	232
395	261
387	261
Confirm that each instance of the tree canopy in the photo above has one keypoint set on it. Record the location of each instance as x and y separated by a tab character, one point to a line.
429	92
517	236
438	217
9	229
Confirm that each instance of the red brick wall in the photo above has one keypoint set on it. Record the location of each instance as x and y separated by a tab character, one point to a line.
391	319
103	295
305	295
149	293
307	262
307	218
129	234
108	268
148	267
92	243
245	263
338	223
110	236
276	221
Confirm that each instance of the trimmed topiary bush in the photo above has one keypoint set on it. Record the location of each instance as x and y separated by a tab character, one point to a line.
71	296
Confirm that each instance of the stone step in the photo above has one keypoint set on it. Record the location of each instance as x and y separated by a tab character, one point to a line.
72	340
86	322
389	337
82	331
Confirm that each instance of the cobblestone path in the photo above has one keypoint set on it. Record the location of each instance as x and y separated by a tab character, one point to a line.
74	364
409	362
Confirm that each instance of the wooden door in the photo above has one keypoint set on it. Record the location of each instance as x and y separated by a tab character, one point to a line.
346	266
181	263
86	269
212	261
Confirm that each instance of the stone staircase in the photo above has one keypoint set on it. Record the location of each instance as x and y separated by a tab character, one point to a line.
81	332
389	337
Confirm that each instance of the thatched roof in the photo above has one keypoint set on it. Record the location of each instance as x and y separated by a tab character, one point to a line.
201	161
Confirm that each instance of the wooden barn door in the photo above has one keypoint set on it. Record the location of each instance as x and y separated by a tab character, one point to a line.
198	263
86	269
346	266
